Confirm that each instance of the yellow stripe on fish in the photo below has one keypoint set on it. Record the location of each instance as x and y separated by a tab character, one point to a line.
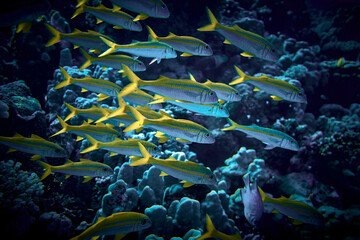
252	43
190	172
279	89
181	89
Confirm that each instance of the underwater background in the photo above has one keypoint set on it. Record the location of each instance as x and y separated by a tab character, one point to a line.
318	48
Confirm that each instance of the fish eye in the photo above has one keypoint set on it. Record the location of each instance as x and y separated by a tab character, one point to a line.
221	108
206	46
212	177
143	221
237	93
207	135
211	93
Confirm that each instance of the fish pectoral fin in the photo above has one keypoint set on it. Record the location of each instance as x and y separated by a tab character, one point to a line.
275	211
158	60
227	41
113	154
78	138
87	178
276	98
67	176
185	54
120	236
187	184
183	140
98	21
297	222
11	150
141	16
117	27
102	97
256	89
35	157
269	147
247	54
163	174
84	90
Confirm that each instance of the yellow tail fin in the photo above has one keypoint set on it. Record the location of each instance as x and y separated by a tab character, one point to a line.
233	125
56	33
241	78
112	47
137	161
141	120
73	111
47	167
67	80
213	23
95	144
79	10
23	27
135	81
88	61
264	197
152	35
64	125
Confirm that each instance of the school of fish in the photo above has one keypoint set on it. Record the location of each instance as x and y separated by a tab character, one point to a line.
138	104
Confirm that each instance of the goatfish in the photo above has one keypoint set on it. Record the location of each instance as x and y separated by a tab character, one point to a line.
124	147
150	49
212	232
102	86
180	89
100	131
89	39
146	8
113	61
271	137
253	204
222	90
118	224
182	129
252	43
114	16
86	168
189	172
33	145
94	113
300	211
188	45
215	109
279	89
142	98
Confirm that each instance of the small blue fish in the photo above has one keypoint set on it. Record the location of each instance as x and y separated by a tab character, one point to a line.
253	204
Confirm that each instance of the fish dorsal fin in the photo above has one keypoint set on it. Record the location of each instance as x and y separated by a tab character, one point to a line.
162	77
76	31
171	158
172	34
116	8
36	137
192	77
187	184
208	81
18	135
68	161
